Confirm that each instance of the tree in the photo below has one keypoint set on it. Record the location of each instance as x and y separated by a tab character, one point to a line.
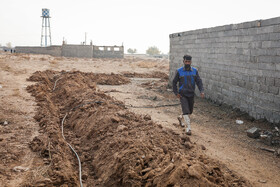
132	51
9	45
153	51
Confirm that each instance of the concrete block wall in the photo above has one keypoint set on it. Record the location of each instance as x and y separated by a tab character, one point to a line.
238	63
108	52
51	50
80	51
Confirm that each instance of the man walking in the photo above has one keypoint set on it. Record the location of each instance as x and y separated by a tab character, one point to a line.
187	77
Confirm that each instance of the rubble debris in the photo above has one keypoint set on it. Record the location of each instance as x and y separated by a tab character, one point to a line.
262	181
267	149
4	122
275	151
239	122
121	128
147	117
20	169
253	132
266	138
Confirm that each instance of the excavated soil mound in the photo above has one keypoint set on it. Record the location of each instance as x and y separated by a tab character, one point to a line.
154	74
116	146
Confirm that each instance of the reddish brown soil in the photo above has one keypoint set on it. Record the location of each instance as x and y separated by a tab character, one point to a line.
154	74
116	146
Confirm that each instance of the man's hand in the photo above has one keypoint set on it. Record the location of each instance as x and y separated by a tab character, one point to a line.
179	96
202	95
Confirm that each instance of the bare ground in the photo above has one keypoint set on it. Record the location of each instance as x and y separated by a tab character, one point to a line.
118	143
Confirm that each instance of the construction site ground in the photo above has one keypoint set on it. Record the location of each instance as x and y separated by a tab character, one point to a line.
121	118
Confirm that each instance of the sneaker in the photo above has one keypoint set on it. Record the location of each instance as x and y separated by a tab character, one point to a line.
188	131
180	119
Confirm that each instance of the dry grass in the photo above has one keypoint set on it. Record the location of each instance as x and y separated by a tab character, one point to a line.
23	71
54	63
59	58
6	68
25	57
18	54
148	64
16	92
43	59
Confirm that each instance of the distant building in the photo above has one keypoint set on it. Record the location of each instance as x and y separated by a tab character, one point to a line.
79	51
7	49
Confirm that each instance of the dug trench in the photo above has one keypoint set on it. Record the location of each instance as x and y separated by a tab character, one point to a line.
116	146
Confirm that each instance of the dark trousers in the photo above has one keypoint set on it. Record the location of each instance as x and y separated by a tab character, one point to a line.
187	104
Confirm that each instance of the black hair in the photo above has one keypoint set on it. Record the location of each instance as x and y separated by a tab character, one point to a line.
187	57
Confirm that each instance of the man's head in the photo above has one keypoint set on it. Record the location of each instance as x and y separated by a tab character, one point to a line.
187	59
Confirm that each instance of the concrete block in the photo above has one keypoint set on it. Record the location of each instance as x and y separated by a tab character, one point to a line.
267	97
264	88
277	68
245	78
274	90
269	81
228	81
253	59
276	99
234	82
270	44
253	79
253	132
273	59
261	80
258	52
272	21
248	38
268	73
261	37
274	36
256	45
253	31
272	51
277	82
276	117
249	85
263	30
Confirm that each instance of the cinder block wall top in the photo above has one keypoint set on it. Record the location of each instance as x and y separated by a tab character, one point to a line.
53	50
80	51
238	63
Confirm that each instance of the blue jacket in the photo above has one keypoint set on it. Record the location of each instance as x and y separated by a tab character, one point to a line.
187	80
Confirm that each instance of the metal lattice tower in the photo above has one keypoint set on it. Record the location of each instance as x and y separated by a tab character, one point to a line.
46	28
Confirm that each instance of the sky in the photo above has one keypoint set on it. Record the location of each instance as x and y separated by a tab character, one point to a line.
136	24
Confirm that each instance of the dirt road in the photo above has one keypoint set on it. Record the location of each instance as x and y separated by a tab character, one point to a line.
118	143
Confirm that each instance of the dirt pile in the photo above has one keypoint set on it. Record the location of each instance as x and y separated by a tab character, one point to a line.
116	146
154	74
